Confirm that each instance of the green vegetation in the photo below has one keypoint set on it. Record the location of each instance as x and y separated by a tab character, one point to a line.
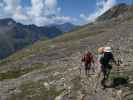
15	73
31	90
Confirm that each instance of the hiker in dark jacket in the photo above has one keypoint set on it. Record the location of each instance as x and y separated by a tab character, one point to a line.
87	58
105	63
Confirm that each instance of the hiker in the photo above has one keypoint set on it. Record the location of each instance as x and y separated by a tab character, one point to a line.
105	63
99	56
100	52
87	58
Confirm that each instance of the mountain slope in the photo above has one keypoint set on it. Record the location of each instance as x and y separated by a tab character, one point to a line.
50	69
15	36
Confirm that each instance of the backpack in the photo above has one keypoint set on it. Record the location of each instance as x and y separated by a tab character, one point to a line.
106	58
87	58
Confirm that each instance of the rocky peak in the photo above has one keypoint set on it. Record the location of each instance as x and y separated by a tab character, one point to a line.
117	11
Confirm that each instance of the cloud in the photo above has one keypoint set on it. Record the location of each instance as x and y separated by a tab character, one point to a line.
41	12
41	21
84	17
51	6
8	7
102	7
19	15
1	4
36	8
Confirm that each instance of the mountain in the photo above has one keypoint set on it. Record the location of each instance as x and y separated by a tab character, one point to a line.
15	36
66	27
118	11
49	70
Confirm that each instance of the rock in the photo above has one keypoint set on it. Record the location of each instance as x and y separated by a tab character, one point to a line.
47	86
131	82
58	98
56	73
119	94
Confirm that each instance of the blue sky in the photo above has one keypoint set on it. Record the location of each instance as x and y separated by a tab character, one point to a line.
75	7
45	12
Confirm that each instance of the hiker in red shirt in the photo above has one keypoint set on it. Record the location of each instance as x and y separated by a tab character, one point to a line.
87	58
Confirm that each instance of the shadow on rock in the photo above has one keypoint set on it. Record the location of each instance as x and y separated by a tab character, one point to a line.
119	81
116	82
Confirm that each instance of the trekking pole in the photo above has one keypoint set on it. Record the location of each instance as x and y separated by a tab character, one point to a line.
80	68
119	61
118	64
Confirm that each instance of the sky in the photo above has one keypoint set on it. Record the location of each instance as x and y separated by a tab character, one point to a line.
47	12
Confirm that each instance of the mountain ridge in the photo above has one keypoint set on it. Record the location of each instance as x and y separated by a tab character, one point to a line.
66	27
120	10
20	36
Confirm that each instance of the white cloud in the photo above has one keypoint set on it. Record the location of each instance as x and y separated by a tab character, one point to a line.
83	16
51	6
36	8
51	3
10	6
102	7
42	21
18	15
41	12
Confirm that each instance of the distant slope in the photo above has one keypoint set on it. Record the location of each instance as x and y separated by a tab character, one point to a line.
14	36
66	27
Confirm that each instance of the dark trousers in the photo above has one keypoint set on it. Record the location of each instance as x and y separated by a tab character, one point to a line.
87	68
106	68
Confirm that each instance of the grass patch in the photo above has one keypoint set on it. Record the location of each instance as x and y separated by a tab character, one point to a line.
3	62
15	73
17	56
35	91
73	36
